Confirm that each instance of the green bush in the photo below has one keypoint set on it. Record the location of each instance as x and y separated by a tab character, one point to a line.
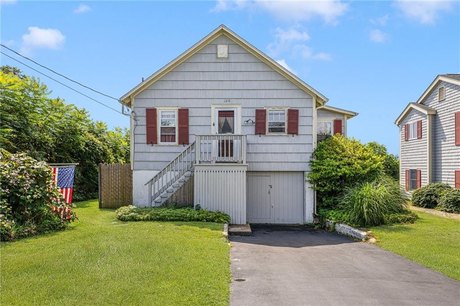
367	204
132	213
339	163
429	195
390	161
450	201
402	217
30	203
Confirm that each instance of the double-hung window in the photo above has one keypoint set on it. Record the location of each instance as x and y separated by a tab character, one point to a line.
412	130
276	121
168	126
413	184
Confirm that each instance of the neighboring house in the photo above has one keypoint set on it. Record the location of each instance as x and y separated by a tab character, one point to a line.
430	136
230	125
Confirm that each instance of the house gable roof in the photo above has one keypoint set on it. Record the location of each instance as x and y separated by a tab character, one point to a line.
223	30
417	106
449	78
347	113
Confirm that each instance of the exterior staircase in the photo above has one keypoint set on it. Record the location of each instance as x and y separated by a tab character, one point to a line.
172	177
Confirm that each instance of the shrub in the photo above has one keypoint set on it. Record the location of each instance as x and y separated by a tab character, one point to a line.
450	201
429	195
30	203
339	163
132	213
368	204
402	217
390	161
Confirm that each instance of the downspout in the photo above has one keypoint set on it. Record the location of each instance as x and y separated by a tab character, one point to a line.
315	115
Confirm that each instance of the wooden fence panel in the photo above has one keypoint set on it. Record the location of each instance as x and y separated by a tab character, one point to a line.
115	185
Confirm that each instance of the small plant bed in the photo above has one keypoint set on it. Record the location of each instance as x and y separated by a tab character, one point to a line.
103	261
432	241
132	213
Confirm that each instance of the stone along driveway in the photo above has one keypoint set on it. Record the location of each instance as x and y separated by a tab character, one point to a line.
275	267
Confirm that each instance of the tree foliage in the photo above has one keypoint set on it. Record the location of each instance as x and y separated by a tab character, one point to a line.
390	161
50	130
339	163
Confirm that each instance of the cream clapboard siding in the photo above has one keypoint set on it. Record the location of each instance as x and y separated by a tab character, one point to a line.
446	155
414	151
204	80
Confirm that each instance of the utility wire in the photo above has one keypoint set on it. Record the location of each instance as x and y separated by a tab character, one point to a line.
61	75
65	85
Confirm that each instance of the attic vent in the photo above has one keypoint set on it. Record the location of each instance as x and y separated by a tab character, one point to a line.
222	51
441	93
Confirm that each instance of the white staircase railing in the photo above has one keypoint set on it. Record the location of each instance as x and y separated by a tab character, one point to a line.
172	176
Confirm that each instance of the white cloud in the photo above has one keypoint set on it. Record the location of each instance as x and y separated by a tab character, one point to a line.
38	38
82	8
425	12
381	21
283	63
293	41
378	36
4	2
294	10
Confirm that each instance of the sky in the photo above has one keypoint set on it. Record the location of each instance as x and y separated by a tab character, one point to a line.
372	57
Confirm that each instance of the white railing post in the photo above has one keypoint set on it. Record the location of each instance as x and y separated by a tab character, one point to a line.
243	148
197	149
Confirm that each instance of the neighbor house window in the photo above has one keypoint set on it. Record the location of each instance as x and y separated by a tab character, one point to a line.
412	130
413	179
277	121
168	125
441	93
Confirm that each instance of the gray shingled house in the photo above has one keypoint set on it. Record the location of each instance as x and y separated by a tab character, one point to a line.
226	127
430	136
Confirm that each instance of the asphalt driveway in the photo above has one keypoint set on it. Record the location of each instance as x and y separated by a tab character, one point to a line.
308	267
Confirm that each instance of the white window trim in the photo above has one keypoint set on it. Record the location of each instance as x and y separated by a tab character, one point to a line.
331	121
285	109
412	124
226	107
159	110
439	93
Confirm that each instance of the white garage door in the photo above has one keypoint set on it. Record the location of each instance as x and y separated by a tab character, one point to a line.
275	197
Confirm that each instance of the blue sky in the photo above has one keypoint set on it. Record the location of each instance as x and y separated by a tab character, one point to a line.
369	57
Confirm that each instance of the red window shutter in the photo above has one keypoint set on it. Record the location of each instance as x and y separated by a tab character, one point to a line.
419	178
407	179
457	129
183	126
338	127
406	132
457	179
261	119
293	121
419	129
151	125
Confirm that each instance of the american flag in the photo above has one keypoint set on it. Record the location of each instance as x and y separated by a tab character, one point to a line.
63	178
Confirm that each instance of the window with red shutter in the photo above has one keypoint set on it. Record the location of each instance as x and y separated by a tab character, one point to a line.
183	126
406	132
457	129
419	129
293	121
261	119
419	178
151	125
457	179
407	177
338	127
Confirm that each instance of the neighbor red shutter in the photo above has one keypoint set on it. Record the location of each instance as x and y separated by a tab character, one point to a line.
457	179
419	129
261	118
293	121
419	178
406	132
338	127
457	129
407	179
151	125
183	125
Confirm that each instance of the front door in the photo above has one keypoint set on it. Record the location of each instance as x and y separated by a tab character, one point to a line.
225	126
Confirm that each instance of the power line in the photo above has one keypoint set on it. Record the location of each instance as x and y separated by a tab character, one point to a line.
65	85
61	75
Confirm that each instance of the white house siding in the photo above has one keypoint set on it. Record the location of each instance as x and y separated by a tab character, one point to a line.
330	116
414	151
446	155
204	80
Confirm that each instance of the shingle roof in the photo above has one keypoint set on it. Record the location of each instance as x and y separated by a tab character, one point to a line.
454	76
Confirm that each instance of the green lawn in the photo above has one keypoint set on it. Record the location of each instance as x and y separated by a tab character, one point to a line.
100	260
431	241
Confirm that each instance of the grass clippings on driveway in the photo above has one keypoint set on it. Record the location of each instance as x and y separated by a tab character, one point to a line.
431	241
100	260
